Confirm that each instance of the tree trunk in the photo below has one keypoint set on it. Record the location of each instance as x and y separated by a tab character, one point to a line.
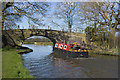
3	19
112	37
69	25
69	22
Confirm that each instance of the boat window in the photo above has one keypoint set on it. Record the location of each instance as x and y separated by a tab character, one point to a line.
56	45
77	47
65	47
61	46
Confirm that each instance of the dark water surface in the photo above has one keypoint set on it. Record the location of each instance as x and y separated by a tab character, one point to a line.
42	65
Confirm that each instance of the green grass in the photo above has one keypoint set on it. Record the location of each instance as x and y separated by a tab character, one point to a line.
28	42
44	43
0	63
12	64
39	43
110	52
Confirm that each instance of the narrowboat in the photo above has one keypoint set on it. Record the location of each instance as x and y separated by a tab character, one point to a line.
71	50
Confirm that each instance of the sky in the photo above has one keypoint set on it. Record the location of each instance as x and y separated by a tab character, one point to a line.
47	20
49	17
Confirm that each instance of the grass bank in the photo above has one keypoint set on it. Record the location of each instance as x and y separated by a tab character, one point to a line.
39	43
12	64
110	52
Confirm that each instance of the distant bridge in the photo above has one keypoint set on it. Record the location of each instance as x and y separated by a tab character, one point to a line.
17	36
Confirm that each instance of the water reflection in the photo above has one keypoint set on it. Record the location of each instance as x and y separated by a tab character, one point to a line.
42	65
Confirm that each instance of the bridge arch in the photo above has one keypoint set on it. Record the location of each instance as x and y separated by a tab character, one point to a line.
15	37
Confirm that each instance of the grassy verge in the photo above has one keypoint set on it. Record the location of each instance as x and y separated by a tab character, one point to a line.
28	42
110	52
39	43
0	63
12	64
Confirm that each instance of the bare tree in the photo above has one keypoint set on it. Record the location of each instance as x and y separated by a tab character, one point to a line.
14	11
66	11
105	14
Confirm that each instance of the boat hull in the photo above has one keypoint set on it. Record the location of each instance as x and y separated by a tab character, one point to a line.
70	53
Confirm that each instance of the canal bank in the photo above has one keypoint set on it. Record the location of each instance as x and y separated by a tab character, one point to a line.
12	63
39	43
110	52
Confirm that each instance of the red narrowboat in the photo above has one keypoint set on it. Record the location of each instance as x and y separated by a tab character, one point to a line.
71	50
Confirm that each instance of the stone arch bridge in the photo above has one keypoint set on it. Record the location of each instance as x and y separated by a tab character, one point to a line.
16	36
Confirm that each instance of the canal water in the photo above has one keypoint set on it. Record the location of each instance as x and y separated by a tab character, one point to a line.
42	65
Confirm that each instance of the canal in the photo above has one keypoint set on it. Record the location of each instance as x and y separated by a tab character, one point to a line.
42	65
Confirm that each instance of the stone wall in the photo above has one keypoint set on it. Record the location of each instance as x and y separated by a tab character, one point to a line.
16	37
